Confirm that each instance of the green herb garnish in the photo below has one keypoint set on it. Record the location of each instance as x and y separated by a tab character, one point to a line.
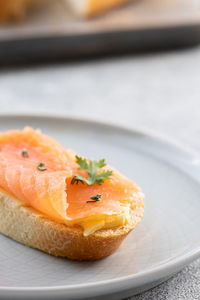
92	167
95	198
25	153
40	167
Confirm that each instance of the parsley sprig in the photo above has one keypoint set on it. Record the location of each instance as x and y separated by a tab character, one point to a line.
93	168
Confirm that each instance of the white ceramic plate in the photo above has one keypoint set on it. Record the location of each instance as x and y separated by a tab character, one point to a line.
166	240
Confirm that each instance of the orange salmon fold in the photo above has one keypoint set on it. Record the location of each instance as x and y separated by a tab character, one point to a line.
48	189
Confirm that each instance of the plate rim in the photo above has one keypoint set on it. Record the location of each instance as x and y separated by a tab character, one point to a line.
124	282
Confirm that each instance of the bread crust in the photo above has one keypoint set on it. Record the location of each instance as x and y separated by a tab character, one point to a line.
31	228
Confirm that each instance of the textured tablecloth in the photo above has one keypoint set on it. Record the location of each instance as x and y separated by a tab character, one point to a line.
159	91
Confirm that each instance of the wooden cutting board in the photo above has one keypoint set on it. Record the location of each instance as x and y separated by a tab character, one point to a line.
55	33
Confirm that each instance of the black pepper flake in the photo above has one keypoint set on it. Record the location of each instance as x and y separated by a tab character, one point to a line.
41	167
25	153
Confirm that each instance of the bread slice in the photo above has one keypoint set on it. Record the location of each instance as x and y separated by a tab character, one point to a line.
11	9
29	227
15	10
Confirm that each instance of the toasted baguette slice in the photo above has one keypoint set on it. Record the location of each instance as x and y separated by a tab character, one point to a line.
29	227
90	8
11	9
14	10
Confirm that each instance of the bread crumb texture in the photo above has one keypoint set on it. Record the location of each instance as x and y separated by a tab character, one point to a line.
31	228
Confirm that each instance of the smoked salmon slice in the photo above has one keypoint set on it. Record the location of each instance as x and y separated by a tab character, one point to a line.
39	171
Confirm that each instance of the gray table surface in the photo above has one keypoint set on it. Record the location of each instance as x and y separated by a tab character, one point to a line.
159	91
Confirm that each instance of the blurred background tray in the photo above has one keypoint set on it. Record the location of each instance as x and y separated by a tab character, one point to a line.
143	25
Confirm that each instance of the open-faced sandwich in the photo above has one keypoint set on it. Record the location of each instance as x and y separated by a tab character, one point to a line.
16	9
63	204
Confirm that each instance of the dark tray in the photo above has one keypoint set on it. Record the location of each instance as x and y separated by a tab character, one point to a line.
137	27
